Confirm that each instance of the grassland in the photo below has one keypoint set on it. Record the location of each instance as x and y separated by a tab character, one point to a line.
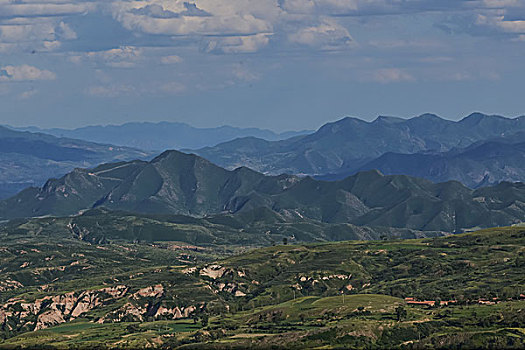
323	295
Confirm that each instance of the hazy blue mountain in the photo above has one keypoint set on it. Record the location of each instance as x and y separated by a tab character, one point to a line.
29	159
481	164
179	183
164	135
348	144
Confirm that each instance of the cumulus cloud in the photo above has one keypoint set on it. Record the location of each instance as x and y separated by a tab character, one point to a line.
37	35
239	44
193	25
112	90
500	23
121	57
391	75
148	32
171	88
24	73
327	35
320	6
9	9
242	73
173	59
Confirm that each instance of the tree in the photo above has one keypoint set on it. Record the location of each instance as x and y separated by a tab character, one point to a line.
204	320
285	240
401	313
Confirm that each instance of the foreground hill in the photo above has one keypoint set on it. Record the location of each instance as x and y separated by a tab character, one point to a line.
29	159
259	227
346	145
178	183
482	164
68	293
164	135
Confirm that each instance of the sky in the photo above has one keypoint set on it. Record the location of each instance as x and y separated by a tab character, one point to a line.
276	64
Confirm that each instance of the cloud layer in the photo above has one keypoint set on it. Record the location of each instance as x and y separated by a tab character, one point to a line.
24	73
168	52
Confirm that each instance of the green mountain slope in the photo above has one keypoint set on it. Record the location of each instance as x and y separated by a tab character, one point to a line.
259	227
349	143
178	183
69	293
29	159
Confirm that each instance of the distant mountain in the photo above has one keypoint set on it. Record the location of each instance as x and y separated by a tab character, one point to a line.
164	135
481	164
29	159
178	183
350	143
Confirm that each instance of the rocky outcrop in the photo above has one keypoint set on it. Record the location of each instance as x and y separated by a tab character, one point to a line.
213	271
52	310
18	315
9	285
150	292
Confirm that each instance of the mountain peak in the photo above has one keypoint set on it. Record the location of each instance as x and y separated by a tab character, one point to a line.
428	116
473	117
341	124
173	154
388	120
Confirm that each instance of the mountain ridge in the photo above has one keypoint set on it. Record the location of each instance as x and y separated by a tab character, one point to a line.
349	143
179	183
164	135
481	164
29	159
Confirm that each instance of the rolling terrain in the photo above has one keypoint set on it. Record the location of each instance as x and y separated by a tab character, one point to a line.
30	159
259	227
179	183
65	292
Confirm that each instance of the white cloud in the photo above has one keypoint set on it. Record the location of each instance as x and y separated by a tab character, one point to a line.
23	9
321	6
112	90
38	35
24	73
241	72
121	57
498	23
391	75
172	88
502	3
27	94
327	35
239	44
233	23
173	59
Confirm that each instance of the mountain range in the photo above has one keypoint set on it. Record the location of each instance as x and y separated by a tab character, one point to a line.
478	150
30	159
348	145
164	135
481	164
179	183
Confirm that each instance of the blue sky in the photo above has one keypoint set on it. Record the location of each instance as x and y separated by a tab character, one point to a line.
278	64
